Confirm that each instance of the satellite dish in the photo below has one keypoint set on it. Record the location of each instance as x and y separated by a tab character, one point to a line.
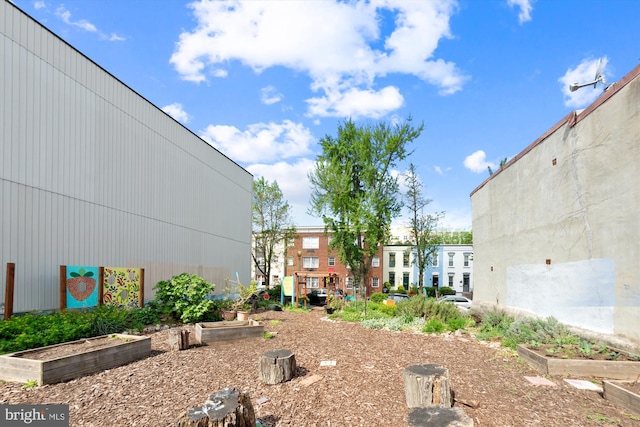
598	78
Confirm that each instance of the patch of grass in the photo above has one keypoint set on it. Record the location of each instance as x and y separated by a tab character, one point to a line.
275	322
268	335
30	384
293	309
433	326
602	418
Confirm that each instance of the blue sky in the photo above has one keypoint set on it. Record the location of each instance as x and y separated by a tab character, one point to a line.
264	81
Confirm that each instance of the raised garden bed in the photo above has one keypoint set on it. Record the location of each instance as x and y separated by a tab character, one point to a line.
211	332
626	367
623	393
62	362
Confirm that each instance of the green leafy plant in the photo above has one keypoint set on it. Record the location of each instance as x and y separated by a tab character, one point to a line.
184	297
445	290
433	326
378	297
30	384
268	335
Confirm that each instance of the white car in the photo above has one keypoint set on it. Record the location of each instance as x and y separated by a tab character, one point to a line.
458	300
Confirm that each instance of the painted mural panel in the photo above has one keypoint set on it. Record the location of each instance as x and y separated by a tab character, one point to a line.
81	286
121	286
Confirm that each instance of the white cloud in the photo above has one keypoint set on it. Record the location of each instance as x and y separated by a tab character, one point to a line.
441	171
65	15
477	162
260	142
355	103
292	178
343	59
39	5
270	95
116	38
585	72
526	6
176	111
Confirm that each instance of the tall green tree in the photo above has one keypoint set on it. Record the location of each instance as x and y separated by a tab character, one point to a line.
423	226
354	190
272	225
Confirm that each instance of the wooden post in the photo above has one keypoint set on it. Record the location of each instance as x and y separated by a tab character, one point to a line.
440	417
8	293
224	408
427	385
63	287
141	288
277	366
178	339
100	285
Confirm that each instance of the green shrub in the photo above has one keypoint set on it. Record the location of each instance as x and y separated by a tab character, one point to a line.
431	291
455	323
274	293
445	290
433	326
184	297
401	290
378	297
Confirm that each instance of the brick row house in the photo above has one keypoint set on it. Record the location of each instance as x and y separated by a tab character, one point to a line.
314	265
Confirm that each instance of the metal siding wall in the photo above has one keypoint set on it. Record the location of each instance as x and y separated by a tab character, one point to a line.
93	174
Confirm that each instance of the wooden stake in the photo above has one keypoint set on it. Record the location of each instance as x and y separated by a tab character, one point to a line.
8	294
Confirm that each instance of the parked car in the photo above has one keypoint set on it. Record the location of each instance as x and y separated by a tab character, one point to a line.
458	300
396	298
319	296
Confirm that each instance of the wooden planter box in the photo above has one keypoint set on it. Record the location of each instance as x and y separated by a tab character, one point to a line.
211	332
615	392
611	369
19	367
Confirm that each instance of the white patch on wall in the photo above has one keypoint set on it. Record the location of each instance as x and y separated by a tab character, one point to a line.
576	293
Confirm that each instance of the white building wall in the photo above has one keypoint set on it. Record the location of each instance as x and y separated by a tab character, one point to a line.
91	173
556	231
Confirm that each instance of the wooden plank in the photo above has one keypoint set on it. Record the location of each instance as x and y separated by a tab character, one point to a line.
210	332
610	369
614	392
8	292
63	287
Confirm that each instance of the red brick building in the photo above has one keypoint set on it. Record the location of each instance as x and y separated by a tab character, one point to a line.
309	259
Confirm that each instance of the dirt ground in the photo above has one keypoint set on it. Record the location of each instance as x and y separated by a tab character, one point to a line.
364	388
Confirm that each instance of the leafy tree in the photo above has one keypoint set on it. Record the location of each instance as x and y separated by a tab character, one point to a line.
422	225
455	238
354	190
272	224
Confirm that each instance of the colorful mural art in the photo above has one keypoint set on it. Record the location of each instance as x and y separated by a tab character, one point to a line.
121	286
81	286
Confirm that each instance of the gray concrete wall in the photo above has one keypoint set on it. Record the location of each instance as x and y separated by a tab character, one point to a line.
93	174
556	232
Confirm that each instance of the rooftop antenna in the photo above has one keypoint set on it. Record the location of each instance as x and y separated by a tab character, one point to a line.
598	78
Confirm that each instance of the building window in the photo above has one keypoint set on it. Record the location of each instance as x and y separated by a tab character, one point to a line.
434	260
310	242
312	282
349	282
291	242
329	238
392	278
375	261
466	259
310	262
451	254
451	281
405	280
375	282
392	259
275	278
405	259
290	261
331	262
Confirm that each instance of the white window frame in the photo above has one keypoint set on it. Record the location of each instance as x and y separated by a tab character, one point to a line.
310	262
451	255
290	261
349	282
310	242
313	282
375	261
331	261
375	282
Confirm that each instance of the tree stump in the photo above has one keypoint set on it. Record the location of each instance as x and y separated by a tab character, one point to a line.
427	385
436	416
178	339
277	366
226	408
